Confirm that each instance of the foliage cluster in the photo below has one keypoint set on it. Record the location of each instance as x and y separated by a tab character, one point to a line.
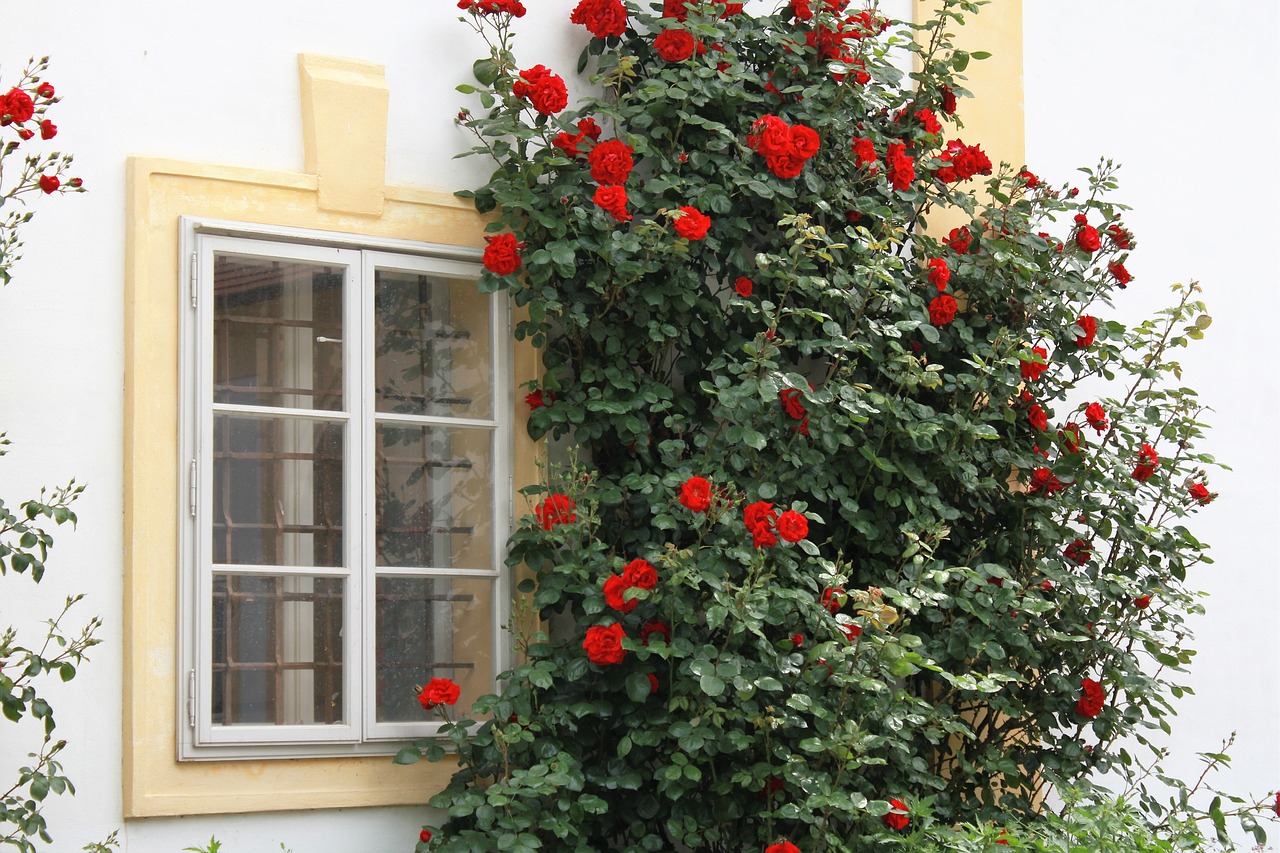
915	502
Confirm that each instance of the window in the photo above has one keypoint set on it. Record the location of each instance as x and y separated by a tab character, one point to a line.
348	488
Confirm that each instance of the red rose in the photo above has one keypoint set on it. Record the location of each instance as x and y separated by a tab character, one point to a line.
791	404
17	107
439	691
502	254
1142	602
731	9
930	121
653	682
792	526
514	8
536	399
1038	418
1078	552
556	509
851	631
962	162
674	45
833	599
1122	275
1001	839
26	134
48	130
797	641
804	141
613	588
1088	327
1071	436
674	9
1090	704
959	240
942	309
902	169
1031	370
45	90
424	836
948	101
939	273
1148	462
1043	480
782	847
604	644
864	150
759	519
613	201
1097	417
1088	240
611	162
1029	179
661	629
1200	493
640	573
743	286
1277	804
801	9
602	18
544	90
695	494
49	183
693	224
1046	585
897	819
1122	238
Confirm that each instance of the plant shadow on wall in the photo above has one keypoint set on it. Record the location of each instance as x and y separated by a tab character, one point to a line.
25	539
849	557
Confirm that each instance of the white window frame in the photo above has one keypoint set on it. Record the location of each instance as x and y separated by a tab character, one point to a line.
360	734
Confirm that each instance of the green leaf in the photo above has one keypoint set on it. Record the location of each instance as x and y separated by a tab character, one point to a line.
712	685
407	755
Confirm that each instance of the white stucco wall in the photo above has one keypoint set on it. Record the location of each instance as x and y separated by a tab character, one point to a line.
1183	95
1176	91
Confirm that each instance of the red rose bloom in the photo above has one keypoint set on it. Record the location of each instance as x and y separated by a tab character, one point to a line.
1121	274
1071	436
640	573
851	631
1088	240
1200	493
1148	462
770	137
502	254
1097	417
17	106
556	509
962	162
674	9
1088	327
650	629
942	309
613	588
1090	704
695	494
49	183
743	286
759	519
45	90
602	18
948	101
48	130
604	644
833	599
613	201
1142	602
797	641
439	691
693	225
1029	179
535	399
1031	370
1043	480
790	398
902	169
674	45
544	90
1122	239
1078	552
930	121
805	141
939	273
897	819
26	134
514	8
792	526
653	682
959	240
611	162
1037	417
782	847
424	836
864	150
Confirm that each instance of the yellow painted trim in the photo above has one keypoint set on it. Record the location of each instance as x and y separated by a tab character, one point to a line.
158	193
344	131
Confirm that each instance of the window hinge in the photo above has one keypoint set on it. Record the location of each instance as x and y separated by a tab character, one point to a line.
194	278
191	488
191	698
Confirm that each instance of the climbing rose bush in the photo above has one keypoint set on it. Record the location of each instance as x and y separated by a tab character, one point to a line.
887	574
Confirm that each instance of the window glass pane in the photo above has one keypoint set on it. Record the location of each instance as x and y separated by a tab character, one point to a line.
277	491
432	354
277	331
277	650
435	497
431	628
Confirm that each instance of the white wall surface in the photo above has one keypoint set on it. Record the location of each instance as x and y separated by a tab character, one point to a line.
1183	95
1175	90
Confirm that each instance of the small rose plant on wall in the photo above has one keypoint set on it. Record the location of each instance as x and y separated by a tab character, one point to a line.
845	551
